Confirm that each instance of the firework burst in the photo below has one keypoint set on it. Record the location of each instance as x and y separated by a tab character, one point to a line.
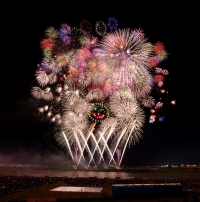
97	88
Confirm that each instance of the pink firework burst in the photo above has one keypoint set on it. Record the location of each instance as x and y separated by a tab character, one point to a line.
83	54
138	33
65	29
153	61
158	70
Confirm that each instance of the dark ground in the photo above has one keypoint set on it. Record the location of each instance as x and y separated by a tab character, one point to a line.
40	191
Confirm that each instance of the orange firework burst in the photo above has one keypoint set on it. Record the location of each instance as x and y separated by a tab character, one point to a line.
102	66
92	64
85	27
47	44
120	42
158	47
158	78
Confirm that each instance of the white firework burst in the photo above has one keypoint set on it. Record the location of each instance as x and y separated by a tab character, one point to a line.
148	101
47	95
130	128
122	104
110	124
97	78
95	94
72	123
134	126
42	78
58	89
46	107
70	97
52	78
79	107
121	48
51	64
49	114
84	79
41	110
142	85
57	118
37	92
130	116
69	84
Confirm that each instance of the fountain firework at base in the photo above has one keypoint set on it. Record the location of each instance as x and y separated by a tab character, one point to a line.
97	88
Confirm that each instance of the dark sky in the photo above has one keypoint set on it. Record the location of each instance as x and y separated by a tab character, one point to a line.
25	137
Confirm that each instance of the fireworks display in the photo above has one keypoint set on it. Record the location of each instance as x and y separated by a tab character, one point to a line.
98	88
112	24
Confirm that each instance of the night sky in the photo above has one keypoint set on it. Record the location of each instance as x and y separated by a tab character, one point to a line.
25	137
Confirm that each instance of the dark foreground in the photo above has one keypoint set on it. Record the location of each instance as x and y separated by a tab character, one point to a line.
17	187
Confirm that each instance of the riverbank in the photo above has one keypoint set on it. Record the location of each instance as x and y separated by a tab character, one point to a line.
139	169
